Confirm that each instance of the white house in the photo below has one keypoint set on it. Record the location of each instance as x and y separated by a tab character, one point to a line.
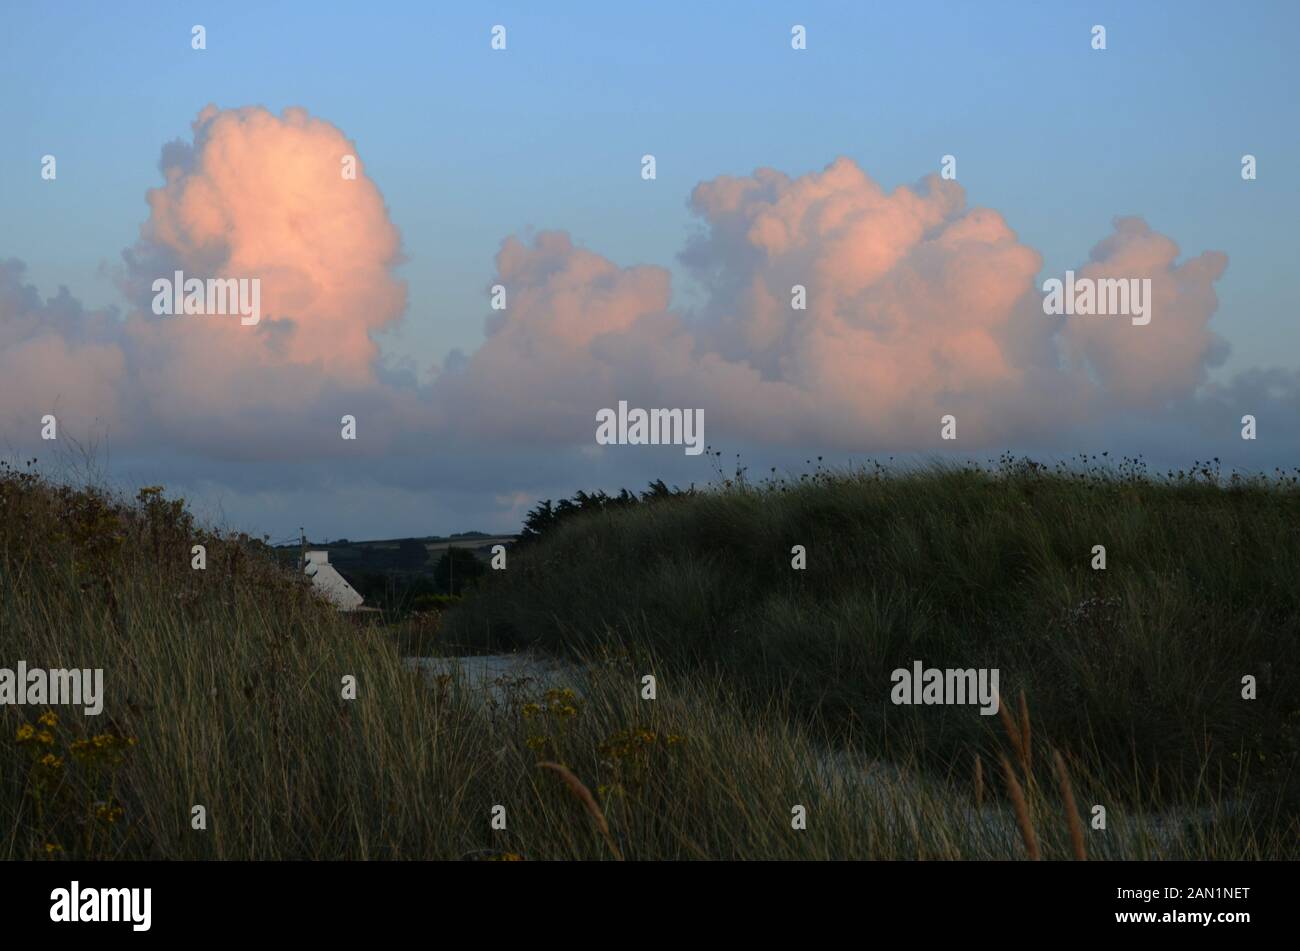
330	583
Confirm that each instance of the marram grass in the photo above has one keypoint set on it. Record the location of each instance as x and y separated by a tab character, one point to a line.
224	690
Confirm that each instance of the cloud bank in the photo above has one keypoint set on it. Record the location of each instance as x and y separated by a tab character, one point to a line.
916	305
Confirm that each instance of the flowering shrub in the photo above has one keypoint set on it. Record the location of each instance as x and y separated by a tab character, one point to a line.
72	786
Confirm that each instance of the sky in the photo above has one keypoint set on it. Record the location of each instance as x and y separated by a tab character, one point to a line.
523	167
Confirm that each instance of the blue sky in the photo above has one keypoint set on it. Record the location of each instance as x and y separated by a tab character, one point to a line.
469	146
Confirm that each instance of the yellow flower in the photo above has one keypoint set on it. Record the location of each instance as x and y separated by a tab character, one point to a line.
49	718
45	738
531	710
52	848
51	761
26	732
536	742
108	813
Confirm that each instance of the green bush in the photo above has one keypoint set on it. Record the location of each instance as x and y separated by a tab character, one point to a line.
434	602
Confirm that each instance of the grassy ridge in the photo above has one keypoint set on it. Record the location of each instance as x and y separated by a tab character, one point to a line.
1139	665
223	689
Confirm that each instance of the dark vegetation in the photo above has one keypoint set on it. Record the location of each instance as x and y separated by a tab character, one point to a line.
222	685
547	517
1139	666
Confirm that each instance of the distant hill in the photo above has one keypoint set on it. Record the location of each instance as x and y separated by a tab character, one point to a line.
384	553
392	572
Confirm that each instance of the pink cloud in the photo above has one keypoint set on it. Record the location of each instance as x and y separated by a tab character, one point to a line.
563	342
917	306
55	358
254	196
264	196
1144	367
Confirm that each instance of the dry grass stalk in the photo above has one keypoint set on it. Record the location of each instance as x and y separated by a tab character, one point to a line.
1071	810
979	782
1022	811
1012	729
579	789
1026	747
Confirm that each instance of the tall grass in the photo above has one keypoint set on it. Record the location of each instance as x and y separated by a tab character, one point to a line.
1137	667
224	689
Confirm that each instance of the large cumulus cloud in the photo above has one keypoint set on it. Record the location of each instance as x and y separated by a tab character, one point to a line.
252	196
917	306
259	195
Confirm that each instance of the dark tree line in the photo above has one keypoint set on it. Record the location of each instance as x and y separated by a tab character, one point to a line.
547	515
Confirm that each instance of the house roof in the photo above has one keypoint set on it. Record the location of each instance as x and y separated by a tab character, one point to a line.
328	582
